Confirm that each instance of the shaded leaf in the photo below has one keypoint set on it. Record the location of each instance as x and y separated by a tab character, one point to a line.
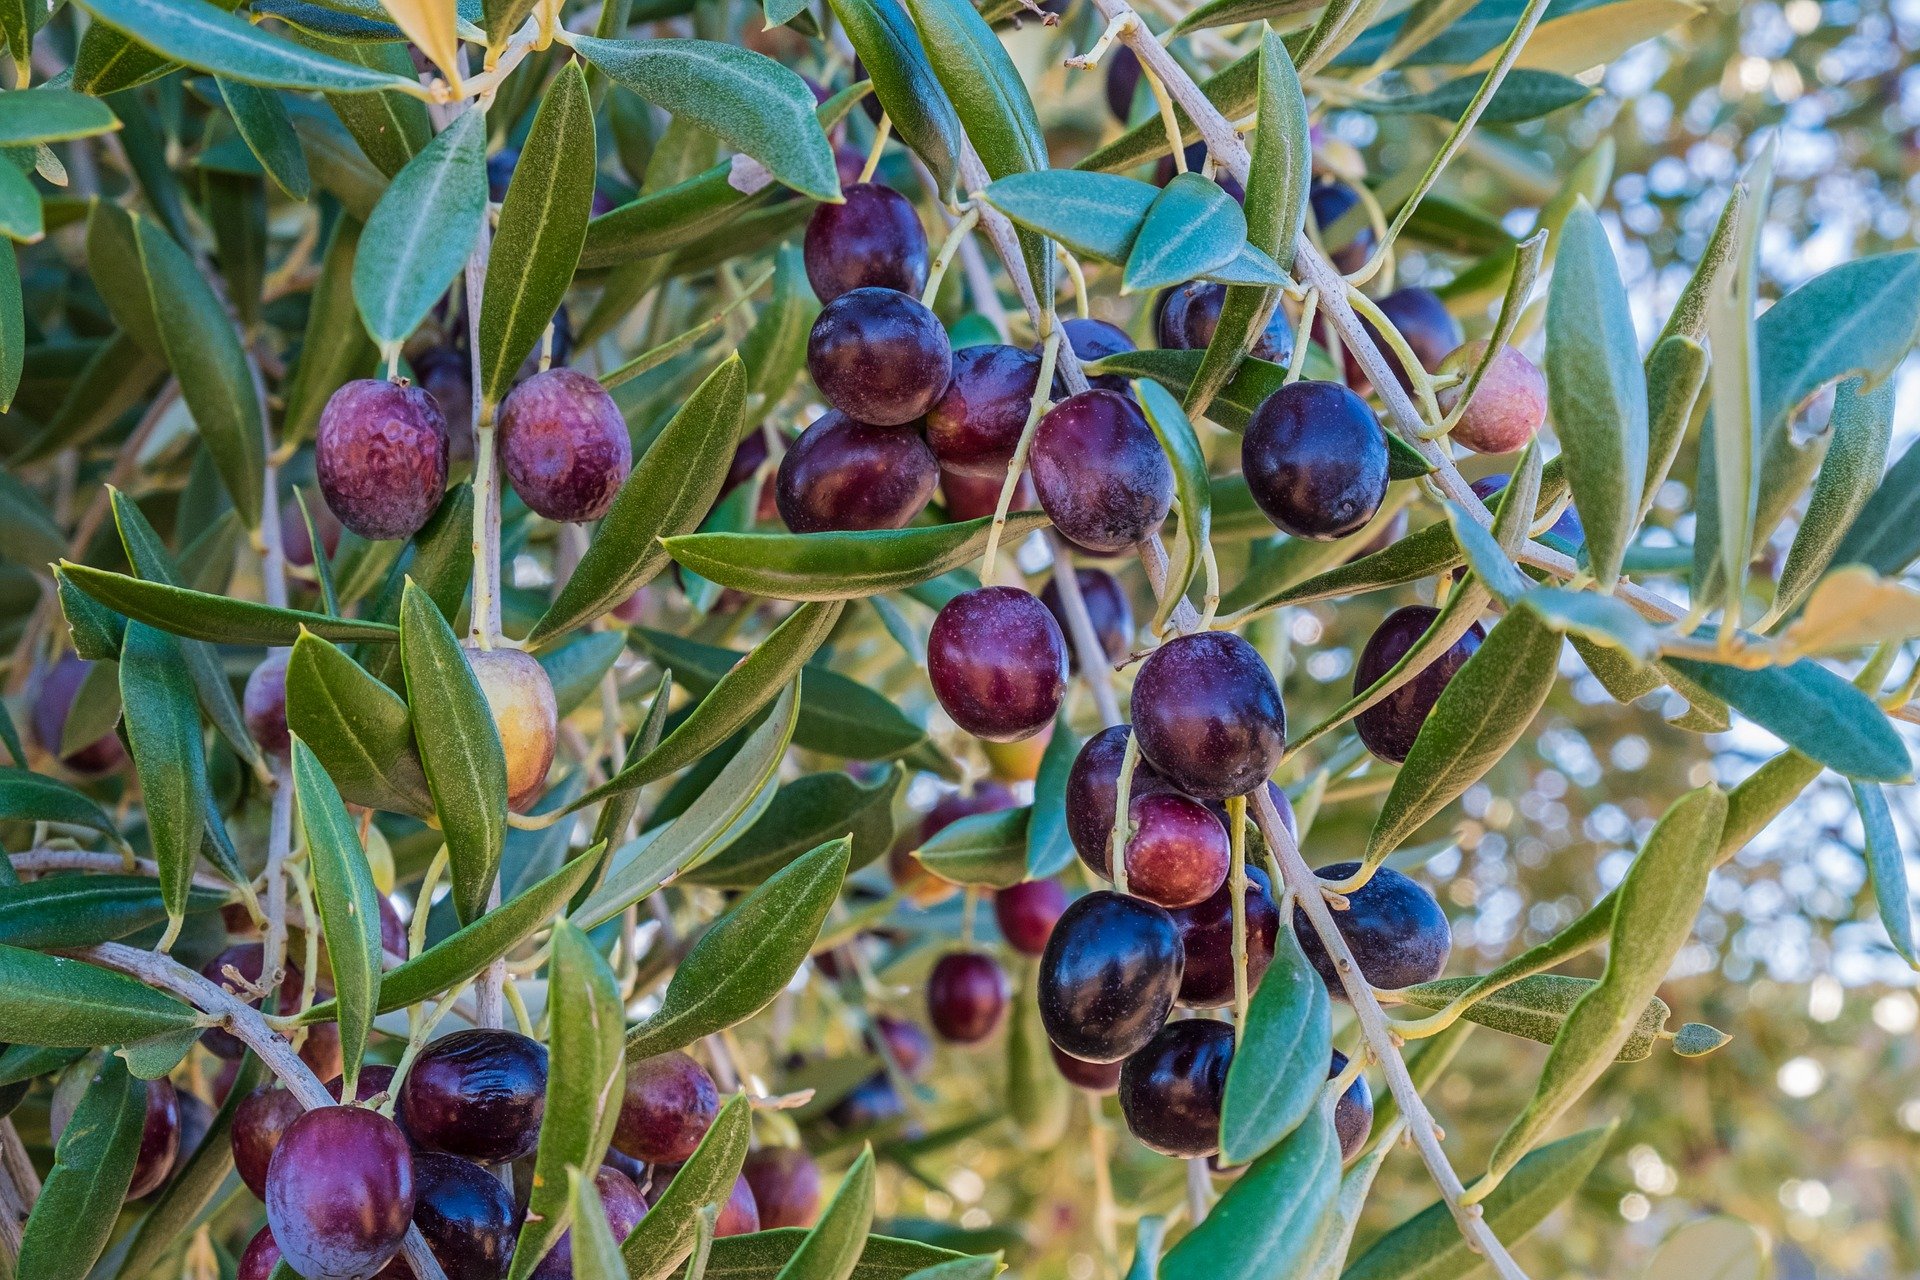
1279	1066
884	39
348	903
804	813
1536	1008
208	37
984	849
1270	1221
201	616
358	728
93	1164
418	236
163	736
1887	867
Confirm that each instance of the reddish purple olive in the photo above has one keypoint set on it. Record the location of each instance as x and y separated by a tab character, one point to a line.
259	1122
1206	942
196	1121
564	445
1108	609
1093	340
1178	853
976	497
872	240
1389	726
1508	406
966	997
1331	201
1123	78
1315	459
624	1207
1171	1090
380	454
296	543
879	356
1209	716
1093	1077
1108	977
51	705
478	1094
1026	913
1353	1113
786	1186
262	1255
740	1215
1100	474
245	959
465	1214
975	426
997	663
1093	792
159	1140
264	704
906	1042
1566	526
1397	932
843	474
340	1193
1188	315
669	1105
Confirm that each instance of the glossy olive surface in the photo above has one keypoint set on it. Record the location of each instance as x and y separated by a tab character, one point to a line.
478	1094
967	995
879	356
465	1214
380	454
1315	460
786	1186
1026	913
1178	853
874	238
1108	609
624	1207
1186	317
740	1215
1100	474
1208	715
1092	340
1171	1090
1093	794
843	474
1093	1077
1109	975
1397	932
1389	726
1353	1113
975	425
340	1193
997	663
1206	942
670	1103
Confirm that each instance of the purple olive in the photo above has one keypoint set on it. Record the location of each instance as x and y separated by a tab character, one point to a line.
1178	853
872	240
465	1214
1188	314
966	996
1566	526
1208	715
564	445
1331	202
1093	340
1398	933
1108	977
1353	1113
786	1186
879	356
51	705
1315	459
296	543
1108	609
340	1193
1389	726
1026	913
906	1042
380	453
1094	1077
1206	940
478	1094
1093	793
998	663
1423	321
624	1207
1123	78
1101	476
976	425
262	1255
159	1139
1171	1091
669	1105
264	703
845	474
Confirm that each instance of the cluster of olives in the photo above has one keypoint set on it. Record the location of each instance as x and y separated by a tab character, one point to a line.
343	1183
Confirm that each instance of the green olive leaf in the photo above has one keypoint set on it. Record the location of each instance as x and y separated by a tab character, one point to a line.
1887	867
1049	848
359	729
59	1003
832	1248
1095	215
665	1237
31	797
804	813
1193	228
459	749
585	1078
200	616
163	736
93	1163
1182	447
1279	1066
1536	1008
1862	429
841	566
1270	1221
1886	535
988	850
1039	1099
266	127
1676	373
888	46
668	493
348	903
761	1255
740	964
417	238
208	37
1234	91
595	1253
576	666
63	912
1812	709
1652	917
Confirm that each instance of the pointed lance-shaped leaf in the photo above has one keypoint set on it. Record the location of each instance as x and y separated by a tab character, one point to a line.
348	903
163	733
418	237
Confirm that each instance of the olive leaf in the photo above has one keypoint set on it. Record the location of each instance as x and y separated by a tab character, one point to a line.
163	736
1039	1099
1886	534
1536	1008
1887	868
358	728
1095	215
1049	847
775	349
31	797
348	903
1652	917
761	1255
585	1078
1676	373
63	912
1192	228
1270	1221
595	1253
663	1239
884	39
417	238
1279	1066
1811	709
1596	389
1429	1244
1182	447
198	615
59	1003
1862	428
74	1215
459	749
831	1250
1233	90
988	850
748	956
804	813
1481	713
208	37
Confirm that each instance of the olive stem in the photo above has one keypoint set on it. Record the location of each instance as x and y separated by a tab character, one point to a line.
1199	1190
1416	372
1306	889
1094	665
1042	389
1302	337
1237	895
880	136
279	842
1105	1216
1122	833
39	860
948	247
